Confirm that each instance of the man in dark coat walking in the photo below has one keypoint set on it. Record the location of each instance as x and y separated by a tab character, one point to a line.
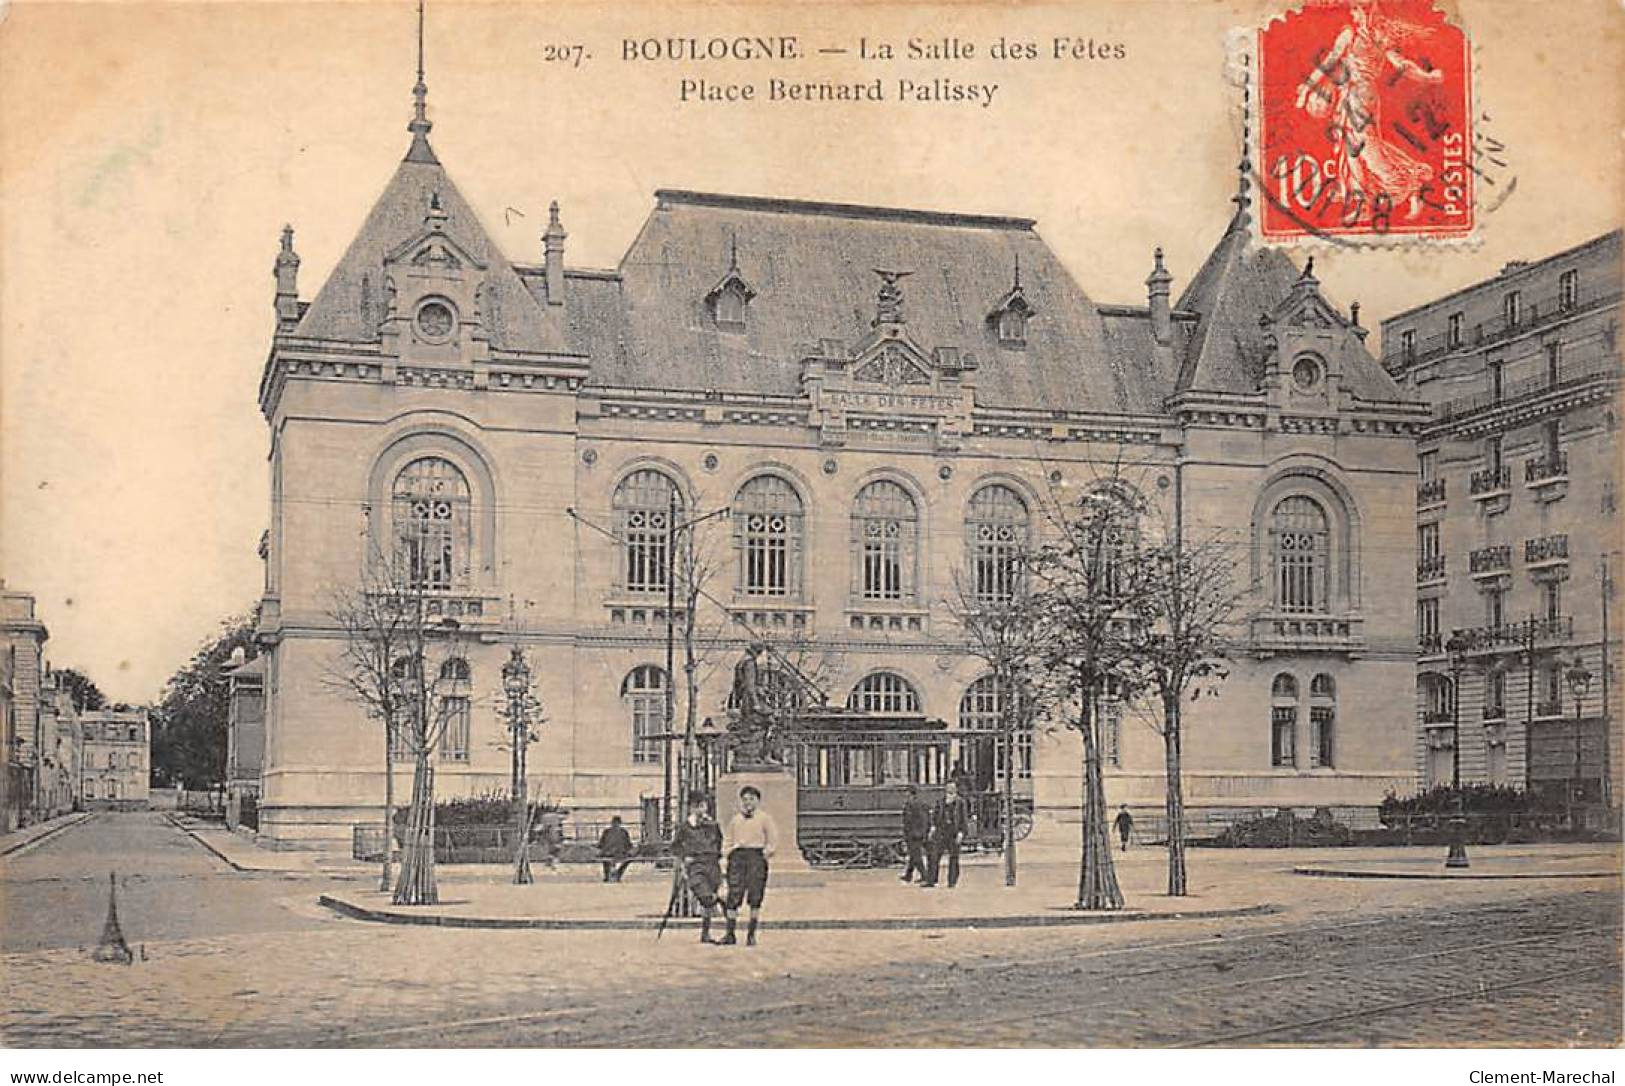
949	823
916	832
1125	825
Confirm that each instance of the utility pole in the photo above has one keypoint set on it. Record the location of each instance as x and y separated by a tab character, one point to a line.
666	826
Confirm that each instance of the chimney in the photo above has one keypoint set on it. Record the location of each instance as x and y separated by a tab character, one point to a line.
287	283
553	246
1157	285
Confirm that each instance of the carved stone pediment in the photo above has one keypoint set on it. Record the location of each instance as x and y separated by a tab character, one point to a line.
894	364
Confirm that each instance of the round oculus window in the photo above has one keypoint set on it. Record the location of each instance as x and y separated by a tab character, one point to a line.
1306	373
435	320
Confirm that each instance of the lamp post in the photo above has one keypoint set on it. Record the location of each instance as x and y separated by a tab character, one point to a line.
1579	677
516	684
1457	855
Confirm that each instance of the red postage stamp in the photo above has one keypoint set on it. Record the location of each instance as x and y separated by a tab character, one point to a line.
1365	122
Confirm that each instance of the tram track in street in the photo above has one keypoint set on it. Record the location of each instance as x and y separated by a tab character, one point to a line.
886	998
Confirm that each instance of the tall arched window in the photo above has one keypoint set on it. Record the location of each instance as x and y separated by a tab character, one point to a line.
404	671
982	708
643	510
1284	722
767	530
644	692
996	527
432	524
885	541
1300	542
456	709
884	692
1322	721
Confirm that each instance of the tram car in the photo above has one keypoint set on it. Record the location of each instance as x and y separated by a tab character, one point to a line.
853	770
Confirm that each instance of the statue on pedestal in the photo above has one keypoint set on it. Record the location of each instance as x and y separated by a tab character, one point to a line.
750	728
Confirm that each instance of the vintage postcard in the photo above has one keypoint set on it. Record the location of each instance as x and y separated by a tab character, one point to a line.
844	526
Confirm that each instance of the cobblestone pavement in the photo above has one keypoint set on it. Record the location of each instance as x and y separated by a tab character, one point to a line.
1534	963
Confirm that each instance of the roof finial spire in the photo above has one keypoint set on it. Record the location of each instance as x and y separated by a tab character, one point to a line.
733	251
1241	199
420	91
1017	284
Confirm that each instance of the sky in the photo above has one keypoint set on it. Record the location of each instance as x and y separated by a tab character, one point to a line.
150	154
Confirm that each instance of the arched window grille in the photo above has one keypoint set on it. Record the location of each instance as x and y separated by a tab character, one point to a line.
1284	722
1300	541
644	692
643	510
982	708
456	708
432	524
996	527
768	516
884	692
1322	721
885	540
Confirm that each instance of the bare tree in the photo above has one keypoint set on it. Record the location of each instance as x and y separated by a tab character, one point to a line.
1003	626
1087	586
1177	650
403	664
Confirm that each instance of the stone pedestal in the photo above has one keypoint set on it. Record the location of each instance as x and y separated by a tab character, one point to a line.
778	788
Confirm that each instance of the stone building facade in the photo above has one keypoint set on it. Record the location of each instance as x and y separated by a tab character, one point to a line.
1517	522
22	669
880	398
245	739
115	760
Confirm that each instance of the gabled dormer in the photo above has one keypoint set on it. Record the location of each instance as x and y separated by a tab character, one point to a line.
1305	341
1011	314
434	293
729	299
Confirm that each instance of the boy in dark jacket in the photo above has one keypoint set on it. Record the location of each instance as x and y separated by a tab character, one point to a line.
916	832
698	847
950	820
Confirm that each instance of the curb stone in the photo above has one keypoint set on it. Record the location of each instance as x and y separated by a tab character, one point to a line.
1033	920
1442	876
66	823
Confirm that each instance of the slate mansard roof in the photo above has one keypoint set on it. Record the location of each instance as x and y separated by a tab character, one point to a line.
648	324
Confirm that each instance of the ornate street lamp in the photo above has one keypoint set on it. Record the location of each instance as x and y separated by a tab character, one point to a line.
1579	677
1456	646
516	684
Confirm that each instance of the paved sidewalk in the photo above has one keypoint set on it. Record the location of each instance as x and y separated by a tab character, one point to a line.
243	853
28	836
1485	862
1223	882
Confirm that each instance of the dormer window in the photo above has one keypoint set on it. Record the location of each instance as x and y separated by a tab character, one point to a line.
729	308
1010	316
1013	328
729	298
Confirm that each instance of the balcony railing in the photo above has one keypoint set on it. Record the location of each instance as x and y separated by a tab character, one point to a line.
1534	313
1490	559
1430	569
1495	712
1554	465
1431	644
1438	716
1516	635
1490	481
1513	391
1430	492
1546	549
1549	707
1279	632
